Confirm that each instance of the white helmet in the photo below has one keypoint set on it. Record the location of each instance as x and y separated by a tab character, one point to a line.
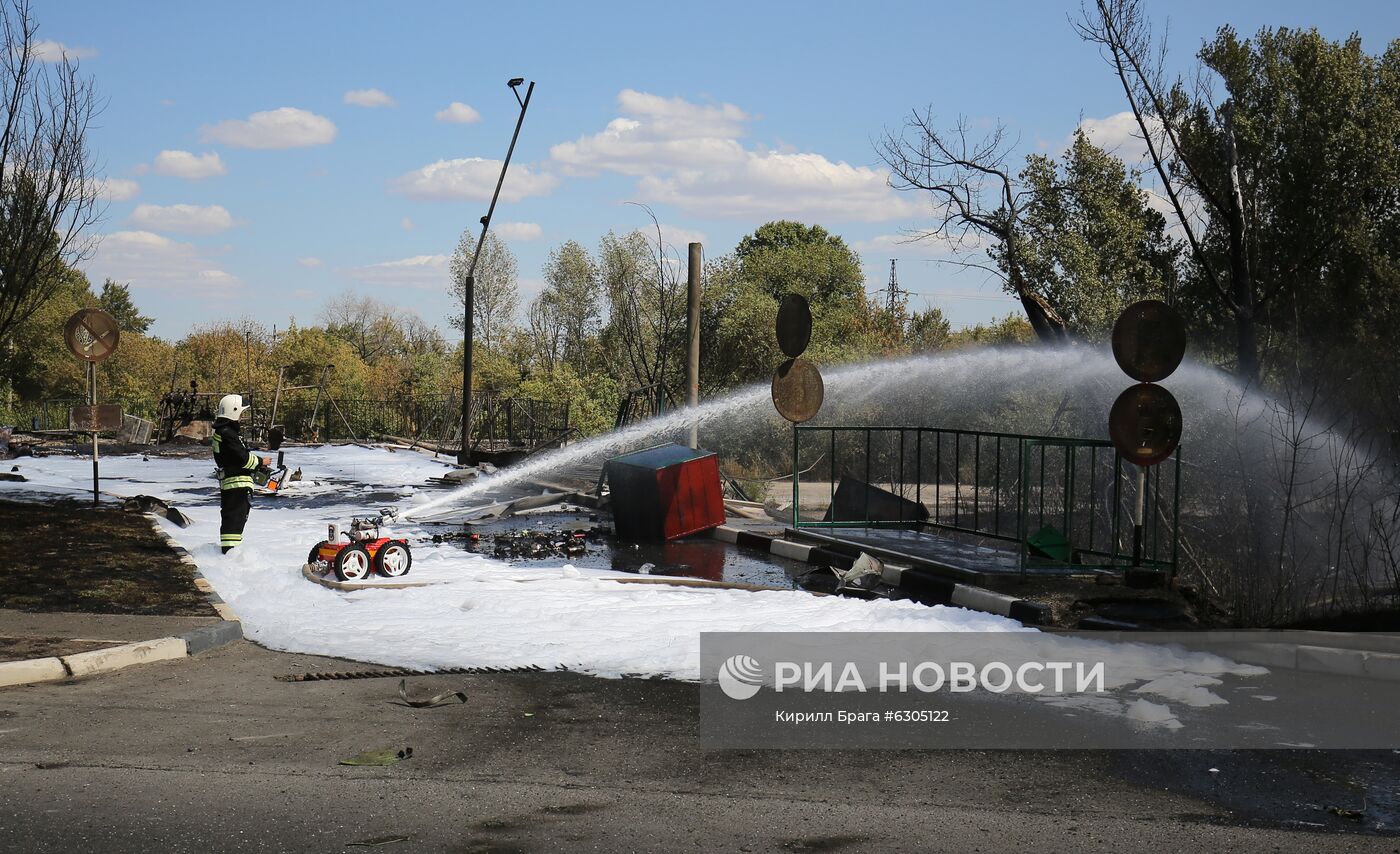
231	407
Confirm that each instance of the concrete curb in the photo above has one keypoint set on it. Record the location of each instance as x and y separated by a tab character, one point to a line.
113	658
31	670
200	582
920	584
116	657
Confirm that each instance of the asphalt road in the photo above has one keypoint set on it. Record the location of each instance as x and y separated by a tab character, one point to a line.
214	754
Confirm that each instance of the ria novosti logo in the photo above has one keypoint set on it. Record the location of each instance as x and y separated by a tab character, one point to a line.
740	677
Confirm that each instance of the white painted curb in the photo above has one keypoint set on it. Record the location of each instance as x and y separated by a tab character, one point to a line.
31	670
117	657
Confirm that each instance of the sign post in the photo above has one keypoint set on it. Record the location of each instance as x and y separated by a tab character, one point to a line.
1149	342
798	390
92	335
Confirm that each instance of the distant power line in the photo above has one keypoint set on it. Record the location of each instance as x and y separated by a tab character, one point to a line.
946	295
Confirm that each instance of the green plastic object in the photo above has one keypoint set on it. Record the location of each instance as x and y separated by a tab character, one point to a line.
379	757
1048	542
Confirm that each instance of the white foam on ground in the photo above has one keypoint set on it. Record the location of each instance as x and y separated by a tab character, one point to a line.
1148	712
1187	688
481	612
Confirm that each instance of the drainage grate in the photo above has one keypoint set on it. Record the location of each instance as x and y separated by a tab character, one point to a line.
406	671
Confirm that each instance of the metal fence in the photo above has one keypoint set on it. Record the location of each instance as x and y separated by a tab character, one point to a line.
1009	487
497	421
53	414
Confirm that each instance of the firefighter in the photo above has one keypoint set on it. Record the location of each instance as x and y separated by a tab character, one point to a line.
236	466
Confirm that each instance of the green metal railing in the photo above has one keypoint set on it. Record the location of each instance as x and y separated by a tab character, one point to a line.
1008	487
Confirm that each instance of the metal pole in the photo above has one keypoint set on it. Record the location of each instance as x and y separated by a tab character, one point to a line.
276	397
316	409
796	490
92	401
692	365
1141	511
464	455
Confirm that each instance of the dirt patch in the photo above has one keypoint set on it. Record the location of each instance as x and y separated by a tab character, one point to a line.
68	556
19	649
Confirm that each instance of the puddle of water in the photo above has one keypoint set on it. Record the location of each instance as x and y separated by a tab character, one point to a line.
690	557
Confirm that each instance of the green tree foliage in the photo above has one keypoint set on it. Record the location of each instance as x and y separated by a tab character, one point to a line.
35	365
496	294
1089	242
742	293
566	314
646	302
1316	126
928	331
788	257
49	186
1012	330
115	299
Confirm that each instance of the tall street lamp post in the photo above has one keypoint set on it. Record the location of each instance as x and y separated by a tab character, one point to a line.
464	455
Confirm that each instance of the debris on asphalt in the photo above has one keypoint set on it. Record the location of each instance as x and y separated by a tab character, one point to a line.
427	703
530	543
387	756
378	840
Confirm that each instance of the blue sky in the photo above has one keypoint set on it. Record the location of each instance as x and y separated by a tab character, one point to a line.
312	148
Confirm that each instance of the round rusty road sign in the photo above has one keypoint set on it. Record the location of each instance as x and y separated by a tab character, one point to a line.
1145	424
91	334
1149	340
797	390
794	325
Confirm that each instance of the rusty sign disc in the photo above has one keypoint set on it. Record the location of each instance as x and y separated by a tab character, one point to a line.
1149	340
794	325
797	390
99	418
1145	424
91	334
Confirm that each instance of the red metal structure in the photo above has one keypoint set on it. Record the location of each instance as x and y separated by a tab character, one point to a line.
665	492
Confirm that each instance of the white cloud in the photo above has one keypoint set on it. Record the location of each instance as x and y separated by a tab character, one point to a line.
457	113
911	246
151	261
52	51
677	238
309	262
657	132
690	155
369	98
407	224
215	277
762	185
184	164
184	219
285	127
1119	135
118	189
428	272
471	178
518	230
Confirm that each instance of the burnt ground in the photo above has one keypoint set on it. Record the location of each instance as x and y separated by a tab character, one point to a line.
70	556
19	649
